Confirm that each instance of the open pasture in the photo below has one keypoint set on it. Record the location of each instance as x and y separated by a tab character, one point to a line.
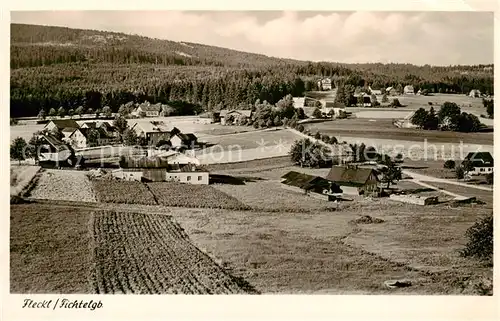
24	131
384	129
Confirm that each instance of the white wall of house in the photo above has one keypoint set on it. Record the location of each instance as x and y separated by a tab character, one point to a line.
196	178
349	190
481	171
127	175
50	125
176	141
77	139
180	158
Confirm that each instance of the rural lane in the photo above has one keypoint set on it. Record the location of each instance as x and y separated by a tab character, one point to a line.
426	178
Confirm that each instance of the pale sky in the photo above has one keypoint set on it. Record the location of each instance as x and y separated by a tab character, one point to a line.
435	38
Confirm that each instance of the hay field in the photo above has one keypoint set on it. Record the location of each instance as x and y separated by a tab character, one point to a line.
20	177
68	185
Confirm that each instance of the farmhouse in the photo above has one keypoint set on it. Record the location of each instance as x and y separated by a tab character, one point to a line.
377	92
354	180
52	152
157	169
231	116
482	163
175	157
367	101
314	186
181	140
76	137
391	91
148	110
61	124
408	90
475	93
325	84
405	122
154	132
299	102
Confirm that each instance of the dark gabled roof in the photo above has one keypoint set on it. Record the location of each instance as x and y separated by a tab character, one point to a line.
52	141
187	138
102	133
156	107
480	159
64	123
244	112
350	175
308	182
143	162
91	124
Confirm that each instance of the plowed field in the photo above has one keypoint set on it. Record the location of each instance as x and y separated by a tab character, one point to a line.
150	254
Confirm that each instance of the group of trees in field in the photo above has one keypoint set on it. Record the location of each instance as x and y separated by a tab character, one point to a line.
449	117
265	115
488	104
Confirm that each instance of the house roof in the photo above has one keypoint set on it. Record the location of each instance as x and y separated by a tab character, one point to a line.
53	141
68	129
350	175
149	127
85	132
64	123
408	87
244	112
389	88
480	159
146	107
143	162
308	182
90	124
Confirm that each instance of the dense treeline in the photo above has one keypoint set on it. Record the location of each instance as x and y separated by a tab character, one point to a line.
53	67
209	88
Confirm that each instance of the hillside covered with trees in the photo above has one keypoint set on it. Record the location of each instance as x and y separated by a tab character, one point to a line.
53	67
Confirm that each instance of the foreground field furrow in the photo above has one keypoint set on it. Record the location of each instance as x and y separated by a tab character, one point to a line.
149	254
128	192
187	195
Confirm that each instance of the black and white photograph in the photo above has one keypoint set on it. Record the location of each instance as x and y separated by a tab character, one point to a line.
294	152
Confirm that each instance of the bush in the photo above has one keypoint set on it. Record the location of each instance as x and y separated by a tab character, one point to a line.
449	164
300	128
489	178
317	135
460	172
480	244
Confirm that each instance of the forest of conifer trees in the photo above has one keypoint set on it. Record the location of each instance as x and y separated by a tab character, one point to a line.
54	67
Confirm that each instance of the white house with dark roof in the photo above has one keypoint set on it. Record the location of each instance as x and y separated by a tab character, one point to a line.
233	115
482	163
409	90
149	110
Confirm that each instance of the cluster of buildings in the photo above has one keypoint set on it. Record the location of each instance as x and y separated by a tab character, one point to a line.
78	135
152	110
341	181
156	133
169	167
